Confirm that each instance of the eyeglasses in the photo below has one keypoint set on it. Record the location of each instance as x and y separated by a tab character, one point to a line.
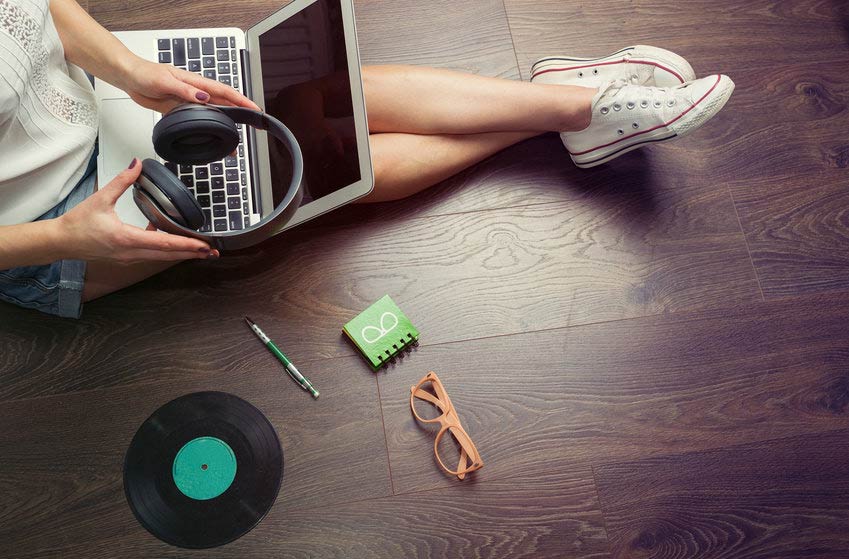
470	459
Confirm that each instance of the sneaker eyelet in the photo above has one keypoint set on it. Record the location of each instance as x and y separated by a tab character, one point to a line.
630	105
671	102
617	107
657	104
580	74
595	70
604	110
635	126
644	103
620	131
635	77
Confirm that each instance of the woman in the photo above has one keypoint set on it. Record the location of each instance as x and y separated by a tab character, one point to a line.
61	242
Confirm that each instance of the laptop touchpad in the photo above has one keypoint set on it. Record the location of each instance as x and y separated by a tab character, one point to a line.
126	130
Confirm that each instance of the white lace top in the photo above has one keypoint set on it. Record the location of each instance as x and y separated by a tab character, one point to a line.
48	114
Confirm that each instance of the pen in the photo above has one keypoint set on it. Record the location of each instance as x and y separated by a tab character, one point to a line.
290	367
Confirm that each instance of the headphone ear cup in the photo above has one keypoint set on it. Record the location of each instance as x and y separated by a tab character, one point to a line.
170	194
195	135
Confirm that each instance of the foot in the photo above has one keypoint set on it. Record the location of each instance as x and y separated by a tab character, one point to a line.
626	117
639	65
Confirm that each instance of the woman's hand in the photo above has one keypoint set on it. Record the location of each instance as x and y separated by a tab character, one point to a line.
162	87
92	230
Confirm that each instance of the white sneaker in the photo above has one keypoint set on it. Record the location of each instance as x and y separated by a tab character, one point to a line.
640	65
626	117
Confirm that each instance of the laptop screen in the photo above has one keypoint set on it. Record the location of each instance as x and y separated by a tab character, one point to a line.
307	87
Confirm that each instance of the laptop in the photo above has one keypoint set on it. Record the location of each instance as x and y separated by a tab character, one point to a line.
301	65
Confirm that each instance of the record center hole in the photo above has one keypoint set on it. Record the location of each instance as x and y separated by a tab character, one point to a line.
203	466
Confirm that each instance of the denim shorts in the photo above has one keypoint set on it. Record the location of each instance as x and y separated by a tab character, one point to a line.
55	288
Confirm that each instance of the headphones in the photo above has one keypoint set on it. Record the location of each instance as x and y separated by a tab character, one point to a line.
195	135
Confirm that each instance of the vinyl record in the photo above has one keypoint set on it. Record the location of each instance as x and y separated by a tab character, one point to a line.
203	470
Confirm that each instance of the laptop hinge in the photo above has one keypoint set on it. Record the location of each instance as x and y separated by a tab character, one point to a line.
250	135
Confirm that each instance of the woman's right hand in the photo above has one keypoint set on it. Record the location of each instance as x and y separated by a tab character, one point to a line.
92	230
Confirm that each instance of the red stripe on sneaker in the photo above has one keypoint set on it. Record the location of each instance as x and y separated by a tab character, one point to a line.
693	106
632	61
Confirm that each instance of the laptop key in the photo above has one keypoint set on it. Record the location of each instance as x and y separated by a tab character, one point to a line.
193	47
234	203
188	180
217	183
218	210
245	197
203	201
232	42
216	168
245	207
171	167
230	161
233	188
207	216
241	151
163	44
244	180
202	187
194	65
178	46
232	55
232	174
218	197
208	62
223	67
201	173
220	225
185	168
165	57
209	74
222	55
207	47
221	42
224	79
235	220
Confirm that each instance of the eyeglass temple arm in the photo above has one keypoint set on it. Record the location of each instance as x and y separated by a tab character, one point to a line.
427	396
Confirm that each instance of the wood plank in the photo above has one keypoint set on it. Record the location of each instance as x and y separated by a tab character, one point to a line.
63	456
715	36
549	401
461	276
785	498
126	15
481	521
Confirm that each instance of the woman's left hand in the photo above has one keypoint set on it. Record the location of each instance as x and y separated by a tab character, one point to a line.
162	87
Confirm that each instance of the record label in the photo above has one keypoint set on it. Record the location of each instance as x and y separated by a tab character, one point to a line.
203	470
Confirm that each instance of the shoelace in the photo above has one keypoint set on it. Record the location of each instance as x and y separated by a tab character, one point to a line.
641	97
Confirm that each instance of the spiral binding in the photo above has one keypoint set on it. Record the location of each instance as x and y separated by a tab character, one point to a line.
407	345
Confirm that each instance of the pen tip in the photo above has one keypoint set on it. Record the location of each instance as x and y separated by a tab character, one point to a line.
249	321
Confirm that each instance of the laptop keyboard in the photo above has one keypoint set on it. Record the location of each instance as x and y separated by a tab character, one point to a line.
220	187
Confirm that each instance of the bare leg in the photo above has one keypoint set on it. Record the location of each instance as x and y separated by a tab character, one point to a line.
419	100
405	164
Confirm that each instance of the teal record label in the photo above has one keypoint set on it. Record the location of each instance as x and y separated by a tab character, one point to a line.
204	468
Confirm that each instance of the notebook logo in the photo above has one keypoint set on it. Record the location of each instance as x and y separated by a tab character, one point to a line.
378	333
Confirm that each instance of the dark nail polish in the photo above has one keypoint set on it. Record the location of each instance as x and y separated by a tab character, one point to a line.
203	249
132	163
202	96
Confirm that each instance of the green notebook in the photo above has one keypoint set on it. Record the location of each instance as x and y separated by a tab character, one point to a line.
381	332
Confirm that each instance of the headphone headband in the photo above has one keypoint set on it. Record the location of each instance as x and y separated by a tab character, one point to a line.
199	134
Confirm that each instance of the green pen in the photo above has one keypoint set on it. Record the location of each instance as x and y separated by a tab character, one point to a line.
290	367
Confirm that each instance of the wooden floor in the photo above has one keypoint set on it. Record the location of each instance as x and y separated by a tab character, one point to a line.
652	356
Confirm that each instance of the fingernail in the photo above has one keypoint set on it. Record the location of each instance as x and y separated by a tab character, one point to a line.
132	163
212	256
203	249
202	96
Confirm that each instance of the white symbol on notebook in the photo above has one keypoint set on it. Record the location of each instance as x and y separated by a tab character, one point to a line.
383	330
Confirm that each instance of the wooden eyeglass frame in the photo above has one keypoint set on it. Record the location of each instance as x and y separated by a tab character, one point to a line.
470	459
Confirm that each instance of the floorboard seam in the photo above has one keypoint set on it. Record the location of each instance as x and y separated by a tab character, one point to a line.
385	437
512	40
746	240
601	511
